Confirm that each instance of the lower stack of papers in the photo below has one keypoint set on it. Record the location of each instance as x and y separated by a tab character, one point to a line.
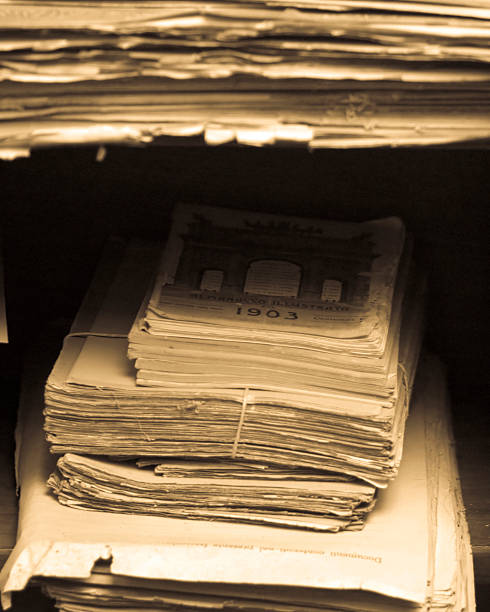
413	553
321	501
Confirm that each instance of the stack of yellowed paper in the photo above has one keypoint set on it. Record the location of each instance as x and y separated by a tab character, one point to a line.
304	333
413	554
321	502
214	415
94	407
327	73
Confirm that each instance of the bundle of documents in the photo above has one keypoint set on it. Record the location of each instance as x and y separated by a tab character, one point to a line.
302	332
413	554
305	413
328	73
94	406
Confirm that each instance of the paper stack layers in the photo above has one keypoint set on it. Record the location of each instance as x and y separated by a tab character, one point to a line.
275	414
236	427
289	340
326	73
413	554
112	416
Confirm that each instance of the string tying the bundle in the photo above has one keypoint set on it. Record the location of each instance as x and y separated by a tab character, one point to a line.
247	399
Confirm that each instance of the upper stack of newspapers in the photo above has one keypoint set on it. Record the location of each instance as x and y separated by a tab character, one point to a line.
326	73
271	363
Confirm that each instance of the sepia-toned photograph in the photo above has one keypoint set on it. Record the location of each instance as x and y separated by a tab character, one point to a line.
244	305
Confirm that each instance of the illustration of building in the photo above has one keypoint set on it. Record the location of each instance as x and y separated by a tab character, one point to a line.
274	258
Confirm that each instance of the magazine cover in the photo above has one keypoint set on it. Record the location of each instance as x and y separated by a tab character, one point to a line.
246	269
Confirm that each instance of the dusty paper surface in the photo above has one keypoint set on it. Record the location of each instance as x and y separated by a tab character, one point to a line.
103	363
102	371
58	541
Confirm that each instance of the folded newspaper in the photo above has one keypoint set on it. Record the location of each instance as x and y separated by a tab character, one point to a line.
414	552
95	403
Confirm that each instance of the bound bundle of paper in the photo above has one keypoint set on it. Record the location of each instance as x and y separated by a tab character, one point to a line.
302	331
413	554
283	416
94	406
322	72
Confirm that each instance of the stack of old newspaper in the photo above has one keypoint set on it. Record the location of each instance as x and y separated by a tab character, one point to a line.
328	73
274	364
413	554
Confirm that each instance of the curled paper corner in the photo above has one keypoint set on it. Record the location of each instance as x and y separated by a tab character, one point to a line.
218	135
12	153
48	558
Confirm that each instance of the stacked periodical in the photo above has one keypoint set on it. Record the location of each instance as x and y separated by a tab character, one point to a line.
249	414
